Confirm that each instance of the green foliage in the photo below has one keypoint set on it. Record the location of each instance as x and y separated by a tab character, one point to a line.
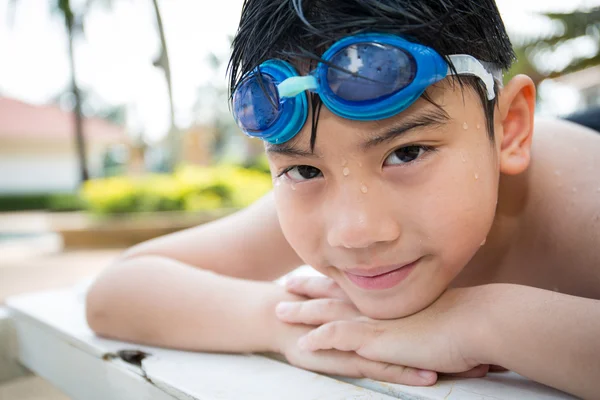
573	26
41	201
190	188
65	202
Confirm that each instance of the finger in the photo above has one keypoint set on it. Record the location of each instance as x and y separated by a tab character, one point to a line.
315	287
315	312
338	335
478	372
350	364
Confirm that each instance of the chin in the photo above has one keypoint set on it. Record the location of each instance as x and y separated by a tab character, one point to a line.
388	308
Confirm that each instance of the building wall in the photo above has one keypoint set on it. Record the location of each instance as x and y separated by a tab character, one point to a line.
27	167
25	173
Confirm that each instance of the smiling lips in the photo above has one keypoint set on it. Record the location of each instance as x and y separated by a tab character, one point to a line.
380	278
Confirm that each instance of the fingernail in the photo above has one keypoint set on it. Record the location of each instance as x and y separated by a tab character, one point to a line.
427	376
283	308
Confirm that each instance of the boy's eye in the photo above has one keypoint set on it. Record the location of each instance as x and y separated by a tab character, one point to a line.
302	173
406	154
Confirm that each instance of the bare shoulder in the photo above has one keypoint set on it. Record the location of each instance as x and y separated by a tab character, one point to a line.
564	201
565	164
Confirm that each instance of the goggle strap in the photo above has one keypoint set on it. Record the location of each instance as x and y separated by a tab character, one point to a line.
465	64
293	86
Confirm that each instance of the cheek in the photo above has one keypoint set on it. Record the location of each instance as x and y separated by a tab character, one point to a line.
299	222
461	214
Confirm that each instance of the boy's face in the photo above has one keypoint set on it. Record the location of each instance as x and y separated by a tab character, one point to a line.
371	200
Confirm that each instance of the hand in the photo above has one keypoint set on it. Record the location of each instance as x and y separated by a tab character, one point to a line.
433	339
337	362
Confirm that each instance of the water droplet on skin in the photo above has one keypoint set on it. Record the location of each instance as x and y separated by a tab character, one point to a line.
465	126
293	187
360	164
364	189
476	176
277	182
478	126
462	156
346	171
483	242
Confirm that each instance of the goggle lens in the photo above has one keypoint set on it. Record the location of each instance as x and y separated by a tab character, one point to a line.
377	71
256	103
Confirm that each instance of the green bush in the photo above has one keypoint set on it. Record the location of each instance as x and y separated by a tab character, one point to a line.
190	188
41	201
65	202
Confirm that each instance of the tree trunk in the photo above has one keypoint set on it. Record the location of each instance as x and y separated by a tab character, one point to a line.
77	114
163	63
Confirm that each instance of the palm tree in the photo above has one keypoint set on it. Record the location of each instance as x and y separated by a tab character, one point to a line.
64	6
574	26
162	62
74	28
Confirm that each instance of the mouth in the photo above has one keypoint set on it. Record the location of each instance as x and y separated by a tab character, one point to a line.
380	278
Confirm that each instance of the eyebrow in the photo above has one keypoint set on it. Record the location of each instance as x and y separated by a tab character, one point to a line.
429	118
288	149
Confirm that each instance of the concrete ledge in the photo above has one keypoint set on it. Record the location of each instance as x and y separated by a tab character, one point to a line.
9	366
81	230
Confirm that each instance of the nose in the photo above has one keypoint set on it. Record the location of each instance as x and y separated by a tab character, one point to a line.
360	220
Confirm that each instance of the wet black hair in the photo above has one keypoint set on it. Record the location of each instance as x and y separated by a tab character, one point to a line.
301	30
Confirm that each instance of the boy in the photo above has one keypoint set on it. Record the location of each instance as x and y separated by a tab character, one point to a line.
452	238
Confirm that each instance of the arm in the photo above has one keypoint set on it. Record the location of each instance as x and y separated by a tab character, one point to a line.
549	337
158	301
161	292
248	244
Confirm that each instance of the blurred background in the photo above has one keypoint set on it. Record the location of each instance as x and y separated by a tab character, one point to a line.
115	128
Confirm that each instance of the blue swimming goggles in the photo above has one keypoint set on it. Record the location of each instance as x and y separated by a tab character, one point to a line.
379	75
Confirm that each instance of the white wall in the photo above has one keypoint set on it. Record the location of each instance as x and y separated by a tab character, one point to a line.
36	173
37	166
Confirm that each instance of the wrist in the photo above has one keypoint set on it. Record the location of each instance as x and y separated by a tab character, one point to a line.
276	332
480	335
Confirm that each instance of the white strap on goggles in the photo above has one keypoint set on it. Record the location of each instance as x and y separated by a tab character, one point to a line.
468	65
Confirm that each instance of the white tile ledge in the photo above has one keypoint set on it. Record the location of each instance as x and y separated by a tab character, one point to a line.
9	365
56	343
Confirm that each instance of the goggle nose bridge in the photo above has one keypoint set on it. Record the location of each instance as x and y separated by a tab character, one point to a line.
293	86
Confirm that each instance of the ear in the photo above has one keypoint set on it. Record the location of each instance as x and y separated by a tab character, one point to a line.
516	104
